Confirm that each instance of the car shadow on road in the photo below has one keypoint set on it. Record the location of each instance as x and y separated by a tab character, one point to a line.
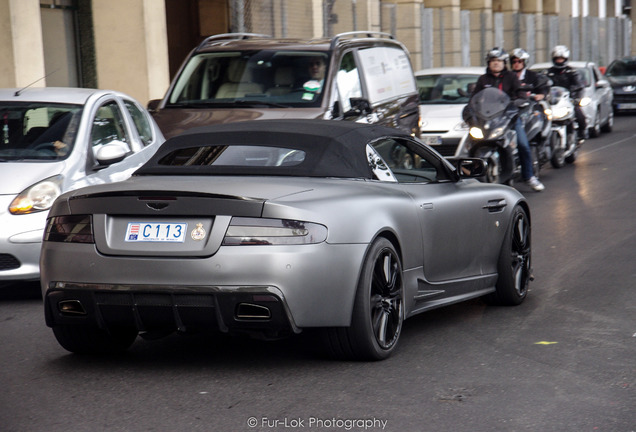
10	291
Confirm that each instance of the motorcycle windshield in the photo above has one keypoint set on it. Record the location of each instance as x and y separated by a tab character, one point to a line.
489	103
557	93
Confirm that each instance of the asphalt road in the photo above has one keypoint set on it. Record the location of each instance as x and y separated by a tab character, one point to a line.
565	360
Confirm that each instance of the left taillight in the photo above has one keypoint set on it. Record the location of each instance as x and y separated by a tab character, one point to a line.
260	231
69	229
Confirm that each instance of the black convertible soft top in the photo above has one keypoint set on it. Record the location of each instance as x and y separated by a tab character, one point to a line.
332	148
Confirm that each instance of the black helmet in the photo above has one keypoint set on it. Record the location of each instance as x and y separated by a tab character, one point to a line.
521	54
560	51
496	53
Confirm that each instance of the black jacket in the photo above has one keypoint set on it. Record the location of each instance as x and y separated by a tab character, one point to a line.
506	81
566	77
539	82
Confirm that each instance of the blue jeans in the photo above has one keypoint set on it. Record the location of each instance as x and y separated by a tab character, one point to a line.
523	147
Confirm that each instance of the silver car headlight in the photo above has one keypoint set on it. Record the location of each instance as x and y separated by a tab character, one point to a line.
261	231
463	126
38	197
585	101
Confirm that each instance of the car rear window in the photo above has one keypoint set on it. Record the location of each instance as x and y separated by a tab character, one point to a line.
236	156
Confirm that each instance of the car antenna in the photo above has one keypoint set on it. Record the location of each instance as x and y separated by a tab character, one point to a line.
19	92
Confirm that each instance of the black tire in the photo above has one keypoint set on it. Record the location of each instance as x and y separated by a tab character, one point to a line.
595	130
514	265
557	160
378	311
572	158
609	125
572	142
81	339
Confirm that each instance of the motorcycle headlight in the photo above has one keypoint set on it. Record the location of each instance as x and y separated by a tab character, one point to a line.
476	133
585	101
560	112
38	197
548	113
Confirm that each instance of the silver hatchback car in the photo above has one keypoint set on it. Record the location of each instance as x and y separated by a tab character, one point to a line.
53	140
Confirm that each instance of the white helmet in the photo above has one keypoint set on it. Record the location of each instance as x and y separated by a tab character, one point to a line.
519	53
496	53
560	51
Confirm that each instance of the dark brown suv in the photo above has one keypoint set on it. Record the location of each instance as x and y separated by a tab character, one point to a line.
358	76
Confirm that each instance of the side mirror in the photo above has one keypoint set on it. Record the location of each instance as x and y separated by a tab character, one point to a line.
359	106
153	105
113	152
471	167
602	84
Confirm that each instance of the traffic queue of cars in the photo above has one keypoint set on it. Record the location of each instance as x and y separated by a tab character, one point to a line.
284	220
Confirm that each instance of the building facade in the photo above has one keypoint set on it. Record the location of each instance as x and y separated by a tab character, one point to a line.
136	46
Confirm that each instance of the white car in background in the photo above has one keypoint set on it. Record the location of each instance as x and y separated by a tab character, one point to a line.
444	92
598	98
53	140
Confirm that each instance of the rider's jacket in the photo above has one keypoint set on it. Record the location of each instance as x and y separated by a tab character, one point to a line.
505	81
566	77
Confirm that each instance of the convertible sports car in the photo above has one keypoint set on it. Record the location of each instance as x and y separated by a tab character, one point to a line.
274	227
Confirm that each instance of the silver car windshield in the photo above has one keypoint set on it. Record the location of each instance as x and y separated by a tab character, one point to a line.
445	88
252	78
37	131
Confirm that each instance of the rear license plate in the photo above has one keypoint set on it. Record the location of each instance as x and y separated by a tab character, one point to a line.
156	232
432	140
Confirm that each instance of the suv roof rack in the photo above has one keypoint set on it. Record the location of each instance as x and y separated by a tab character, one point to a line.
230	36
358	34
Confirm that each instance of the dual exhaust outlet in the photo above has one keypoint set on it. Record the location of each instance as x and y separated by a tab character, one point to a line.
244	311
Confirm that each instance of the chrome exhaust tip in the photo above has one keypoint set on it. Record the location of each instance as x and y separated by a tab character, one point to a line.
71	307
249	311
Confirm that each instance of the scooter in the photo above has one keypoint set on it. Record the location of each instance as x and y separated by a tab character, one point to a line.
565	143
491	116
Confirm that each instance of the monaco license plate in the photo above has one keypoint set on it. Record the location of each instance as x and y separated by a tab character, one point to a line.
432	140
156	232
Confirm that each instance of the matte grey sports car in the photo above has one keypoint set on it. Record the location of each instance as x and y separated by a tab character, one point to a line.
274	227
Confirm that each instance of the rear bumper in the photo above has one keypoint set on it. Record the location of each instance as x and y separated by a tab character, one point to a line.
259	311
315	284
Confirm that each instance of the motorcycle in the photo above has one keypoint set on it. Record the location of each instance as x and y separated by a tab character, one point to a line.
491	116
565	142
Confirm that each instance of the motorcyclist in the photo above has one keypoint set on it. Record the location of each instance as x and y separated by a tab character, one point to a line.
565	76
519	64
498	75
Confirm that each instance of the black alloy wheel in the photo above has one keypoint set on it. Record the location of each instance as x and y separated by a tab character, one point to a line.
514	265
378	312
